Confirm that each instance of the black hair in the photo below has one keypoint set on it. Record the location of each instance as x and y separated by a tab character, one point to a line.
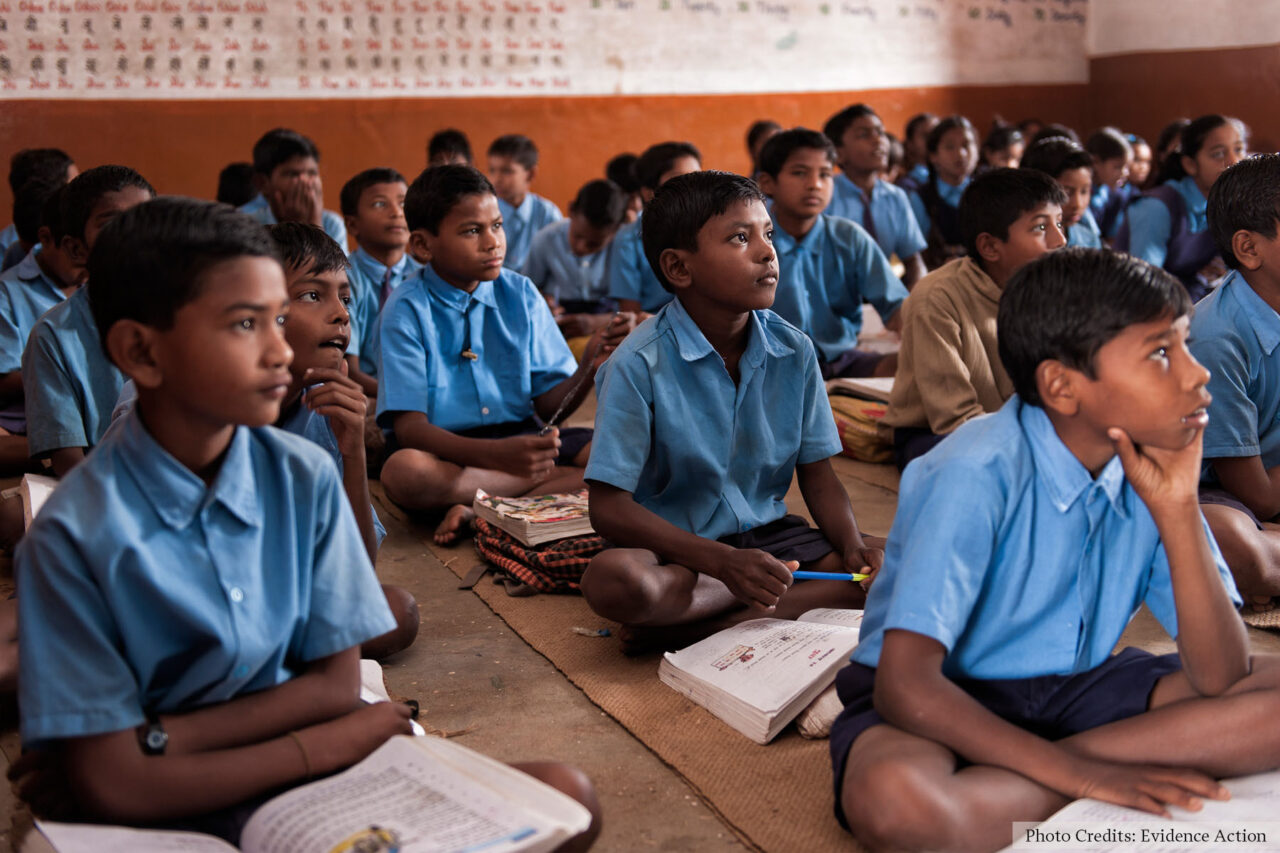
779	149
28	204
1066	305
51	214
838	124
1027	123
896	152
349	198
658	159
914	124
1056	155
683	205
760	129
1108	143
437	191
1053	131
83	193
1192	140
235	184
1001	136
602	203
448	142
279	146
1246	197
1169	136
995	199
941	129
622	171
516	146
306	247
150	259
48	164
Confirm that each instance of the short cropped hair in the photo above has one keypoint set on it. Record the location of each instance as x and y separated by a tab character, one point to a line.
235	184
518	147
349	198
1056	155
658	159
683	205
279	146
838	124
622	171
1001	136
782	145
83	193
1108	143
600	202
306	247
1246	197
28	204
1067	304
437	191
449	142
51	214
49	164
149	260
995	199
759	130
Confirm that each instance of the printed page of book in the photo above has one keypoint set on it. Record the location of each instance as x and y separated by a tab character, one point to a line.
93	838
417	795
766	662
36	489
833	616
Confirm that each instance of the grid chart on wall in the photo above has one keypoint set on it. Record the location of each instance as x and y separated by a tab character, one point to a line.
185	49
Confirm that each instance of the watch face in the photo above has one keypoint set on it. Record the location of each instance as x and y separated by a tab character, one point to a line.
157	739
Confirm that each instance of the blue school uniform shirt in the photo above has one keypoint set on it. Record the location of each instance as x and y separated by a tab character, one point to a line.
145	590
521	223
948	194
1150	227
1235	334
26	293
709	456
824	278
1085	232
424	328
1007	552
897	231
70	385
8	237
367	275
628	272
558	272
260	209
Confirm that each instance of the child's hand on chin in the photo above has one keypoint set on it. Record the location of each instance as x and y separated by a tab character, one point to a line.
1162	478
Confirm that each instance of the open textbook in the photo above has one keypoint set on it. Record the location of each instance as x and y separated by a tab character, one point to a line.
759	674
1250	820
411	795
870	387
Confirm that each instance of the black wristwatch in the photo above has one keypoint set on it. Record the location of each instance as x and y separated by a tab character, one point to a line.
151	736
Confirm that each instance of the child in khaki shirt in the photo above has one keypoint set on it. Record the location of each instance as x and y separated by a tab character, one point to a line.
949	367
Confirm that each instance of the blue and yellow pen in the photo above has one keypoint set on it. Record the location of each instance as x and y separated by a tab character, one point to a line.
828	576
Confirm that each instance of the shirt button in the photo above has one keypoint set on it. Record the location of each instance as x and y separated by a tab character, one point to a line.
237	594
485	410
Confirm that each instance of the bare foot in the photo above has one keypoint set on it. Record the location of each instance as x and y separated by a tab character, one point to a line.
1260	603
456	524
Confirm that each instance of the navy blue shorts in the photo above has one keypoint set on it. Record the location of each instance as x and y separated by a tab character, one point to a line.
1051	706
1221	497
788	538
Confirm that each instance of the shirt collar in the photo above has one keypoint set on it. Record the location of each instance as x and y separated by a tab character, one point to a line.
175	493
371	266
813	242
525	211
455	298
949	194
693	345
1262	317
1064	476
28	269
1195	200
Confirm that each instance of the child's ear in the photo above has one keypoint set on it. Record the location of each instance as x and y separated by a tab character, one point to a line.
766	183
990	248
533	173
350	222
674	267
132	347
1056	384
76	250
1244	245
419	247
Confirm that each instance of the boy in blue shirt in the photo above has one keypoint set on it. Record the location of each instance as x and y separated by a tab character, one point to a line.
859	193
50	165
705	414
513	164
983	690
286	171
373	206
631	280
70	389
1234	334
1072	167
567	259
323	403
473	374
827	265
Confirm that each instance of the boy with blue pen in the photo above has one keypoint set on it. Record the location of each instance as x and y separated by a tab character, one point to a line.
704	414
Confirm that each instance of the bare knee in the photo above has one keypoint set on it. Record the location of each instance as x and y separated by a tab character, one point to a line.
411	478
616	586
1250	553
571	781
404	607
892	805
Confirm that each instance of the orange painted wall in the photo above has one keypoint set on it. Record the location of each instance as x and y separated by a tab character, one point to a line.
181	145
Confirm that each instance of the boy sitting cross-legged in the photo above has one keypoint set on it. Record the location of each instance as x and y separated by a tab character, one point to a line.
472	364
984	689
705	413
